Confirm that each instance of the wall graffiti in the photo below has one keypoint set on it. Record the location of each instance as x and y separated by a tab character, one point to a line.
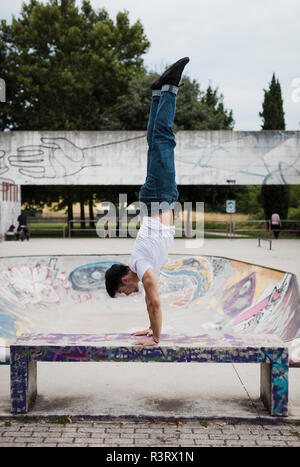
30	349
125	339
54	158
244	157
32	284
206	300
216	157
185	280
89	276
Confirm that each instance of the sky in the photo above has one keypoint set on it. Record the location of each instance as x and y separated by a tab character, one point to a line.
234	45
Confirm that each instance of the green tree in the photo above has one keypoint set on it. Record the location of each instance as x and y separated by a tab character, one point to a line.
195	110
218	118
272	107
131	110
274	198
64	66
294	208
34	198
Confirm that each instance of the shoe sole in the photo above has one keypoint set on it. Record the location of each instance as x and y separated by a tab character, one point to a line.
156	84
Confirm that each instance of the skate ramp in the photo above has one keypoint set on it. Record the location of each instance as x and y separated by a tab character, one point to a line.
206	300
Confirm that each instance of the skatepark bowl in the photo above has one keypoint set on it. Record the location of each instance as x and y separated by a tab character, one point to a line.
206	300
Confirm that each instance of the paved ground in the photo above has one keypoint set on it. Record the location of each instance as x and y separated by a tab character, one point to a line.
281	256
145	433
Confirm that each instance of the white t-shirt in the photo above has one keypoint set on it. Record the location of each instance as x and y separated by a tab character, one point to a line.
151	246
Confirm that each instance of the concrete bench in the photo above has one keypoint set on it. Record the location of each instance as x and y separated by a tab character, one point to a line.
29	349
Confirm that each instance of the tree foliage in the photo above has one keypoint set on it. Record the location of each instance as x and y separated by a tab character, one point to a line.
195	109
64	66
72	68
272	107
274	198
76	69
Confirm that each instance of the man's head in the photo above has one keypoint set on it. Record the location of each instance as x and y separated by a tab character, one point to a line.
120	279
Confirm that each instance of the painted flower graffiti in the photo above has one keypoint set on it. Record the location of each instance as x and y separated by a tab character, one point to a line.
32	284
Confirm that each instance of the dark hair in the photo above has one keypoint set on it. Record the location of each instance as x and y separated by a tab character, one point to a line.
113	278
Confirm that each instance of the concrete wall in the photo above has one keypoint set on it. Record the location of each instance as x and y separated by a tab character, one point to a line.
96	158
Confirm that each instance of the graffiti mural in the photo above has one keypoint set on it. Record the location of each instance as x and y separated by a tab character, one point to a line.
93	348
89	276
206	300
111	157
34	282
185	280
60	157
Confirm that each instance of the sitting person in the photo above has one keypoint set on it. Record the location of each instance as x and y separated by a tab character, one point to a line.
22	219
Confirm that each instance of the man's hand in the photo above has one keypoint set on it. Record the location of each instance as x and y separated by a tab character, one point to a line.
146	332
145	343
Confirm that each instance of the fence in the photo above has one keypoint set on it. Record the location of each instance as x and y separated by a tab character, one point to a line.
80	221
267	227
225	231
50	220
265	223
110	229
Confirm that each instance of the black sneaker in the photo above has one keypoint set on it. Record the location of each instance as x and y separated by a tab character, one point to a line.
172	75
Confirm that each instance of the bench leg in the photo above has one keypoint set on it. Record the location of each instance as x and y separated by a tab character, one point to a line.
274	388
23	385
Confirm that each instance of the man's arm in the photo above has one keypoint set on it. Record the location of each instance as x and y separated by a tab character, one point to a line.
153	303
153	307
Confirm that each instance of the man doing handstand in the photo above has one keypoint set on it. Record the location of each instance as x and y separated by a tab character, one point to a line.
157	198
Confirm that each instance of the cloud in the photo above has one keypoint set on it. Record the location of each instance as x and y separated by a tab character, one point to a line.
237	44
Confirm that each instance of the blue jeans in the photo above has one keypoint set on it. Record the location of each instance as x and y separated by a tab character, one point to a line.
159	192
